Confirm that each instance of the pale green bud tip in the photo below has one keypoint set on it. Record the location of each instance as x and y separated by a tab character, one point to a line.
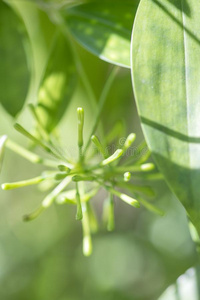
19	128
147	167
87	245
113	157
194	233
48	200
130	139
98	144
95	140
5	186
80	112
3	139
127	176
16	185
130	200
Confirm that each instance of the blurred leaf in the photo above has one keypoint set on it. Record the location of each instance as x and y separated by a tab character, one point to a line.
104	28
41	34
53	70
166	72
14	73
58	84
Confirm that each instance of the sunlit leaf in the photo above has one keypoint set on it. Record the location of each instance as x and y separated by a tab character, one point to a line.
57	85
53	70
14	73
104	28
166	72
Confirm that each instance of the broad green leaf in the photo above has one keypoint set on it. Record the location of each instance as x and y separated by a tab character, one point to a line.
53	71
166	76
58	84
14	73
41	34
104	28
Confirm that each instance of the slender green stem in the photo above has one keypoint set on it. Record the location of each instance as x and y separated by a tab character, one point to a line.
23	183
42	131
34	139
59	188
111	216
98	145
129	200
92	218
140	168
80	113
79	214
116	155
151	207
30	156
141	151
48	200
101	104
87	240
3	140
83	75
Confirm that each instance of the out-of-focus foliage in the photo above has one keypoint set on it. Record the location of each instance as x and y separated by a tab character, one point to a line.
43	259
171	118
57	85
104	28
14	71
185	288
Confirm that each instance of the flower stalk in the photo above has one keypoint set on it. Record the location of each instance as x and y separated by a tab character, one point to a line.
85	176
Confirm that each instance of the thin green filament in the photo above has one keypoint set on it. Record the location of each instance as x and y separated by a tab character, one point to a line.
79	214
87	239
80	113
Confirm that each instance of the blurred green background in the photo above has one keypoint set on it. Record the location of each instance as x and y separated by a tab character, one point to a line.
43	260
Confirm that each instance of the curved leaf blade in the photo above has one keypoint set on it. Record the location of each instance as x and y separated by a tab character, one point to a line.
14	72
57	85
104	28
166	73
41	32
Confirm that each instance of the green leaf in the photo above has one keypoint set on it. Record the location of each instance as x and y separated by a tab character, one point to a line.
53	71
14	73
41	33
58	84
104	28
166	74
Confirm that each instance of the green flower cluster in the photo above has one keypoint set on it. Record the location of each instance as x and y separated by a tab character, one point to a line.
78	182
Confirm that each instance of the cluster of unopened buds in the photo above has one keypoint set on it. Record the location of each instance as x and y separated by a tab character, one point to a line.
78	182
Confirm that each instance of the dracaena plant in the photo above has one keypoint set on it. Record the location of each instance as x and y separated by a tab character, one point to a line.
161	48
